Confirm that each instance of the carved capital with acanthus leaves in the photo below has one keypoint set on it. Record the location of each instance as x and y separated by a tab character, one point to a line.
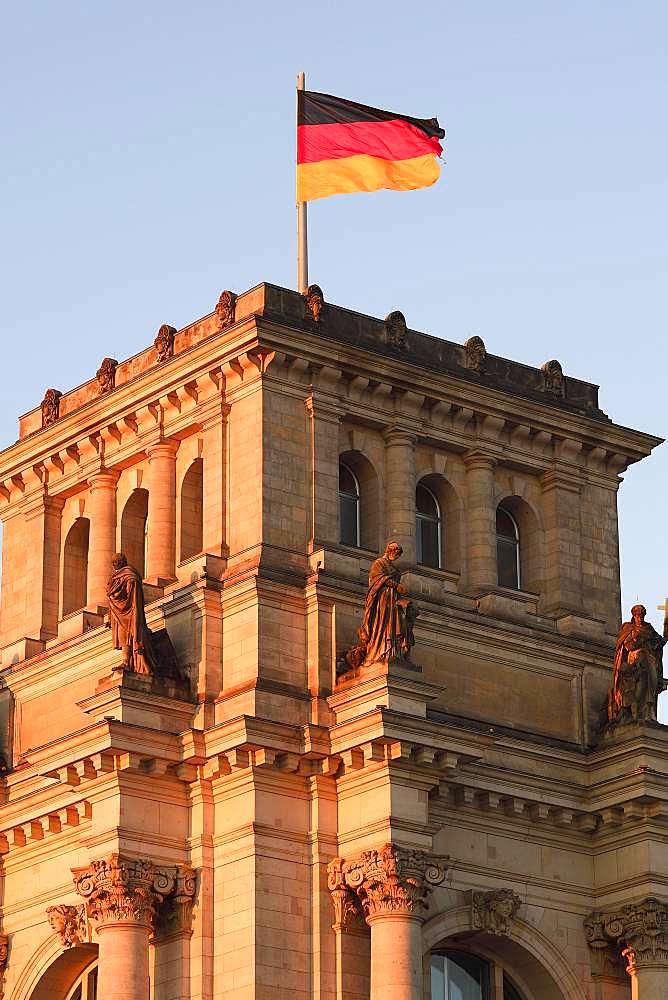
638	931
3	962
119	889
388	882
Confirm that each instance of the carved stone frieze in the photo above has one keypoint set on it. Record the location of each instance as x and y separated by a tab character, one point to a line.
50	406
475	353
638	931
106	375
392	880
119	889
495	910
554	383
315	302
69	923
226	308
164	343
395	330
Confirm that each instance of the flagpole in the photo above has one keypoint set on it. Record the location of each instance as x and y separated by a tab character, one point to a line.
302	228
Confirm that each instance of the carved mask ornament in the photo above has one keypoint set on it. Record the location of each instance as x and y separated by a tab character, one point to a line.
315	302
226	308
475	354
106	375
395	330
164	343
50	407
554	383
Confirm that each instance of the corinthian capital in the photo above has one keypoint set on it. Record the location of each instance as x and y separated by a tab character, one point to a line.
120	889
392	880
638	930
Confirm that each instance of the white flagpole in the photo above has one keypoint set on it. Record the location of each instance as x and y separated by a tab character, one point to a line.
302	231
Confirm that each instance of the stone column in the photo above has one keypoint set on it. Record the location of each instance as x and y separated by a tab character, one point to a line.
102	541
481	571
400	490
215	478
122	897
392	885
639	931
563	544
161	542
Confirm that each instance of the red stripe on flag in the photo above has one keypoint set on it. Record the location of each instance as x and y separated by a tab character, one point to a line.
390	140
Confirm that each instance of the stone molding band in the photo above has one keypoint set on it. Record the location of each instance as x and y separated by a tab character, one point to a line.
386	882
638	932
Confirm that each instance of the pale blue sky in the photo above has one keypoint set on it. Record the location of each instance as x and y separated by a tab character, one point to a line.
148	162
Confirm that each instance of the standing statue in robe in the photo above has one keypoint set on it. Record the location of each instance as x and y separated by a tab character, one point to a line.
129	631
637	679
386	632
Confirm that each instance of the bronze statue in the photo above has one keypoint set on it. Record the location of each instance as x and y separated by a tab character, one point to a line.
386	632
637	678
129	630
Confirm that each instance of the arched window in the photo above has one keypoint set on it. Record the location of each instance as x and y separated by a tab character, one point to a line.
507	549
85	987
192	497
349	506
427	527
75	566
459	975
133	530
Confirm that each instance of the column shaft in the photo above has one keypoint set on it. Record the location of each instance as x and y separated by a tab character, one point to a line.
481	571
123	961
102	543
400	490
396	957
161	542
323	473
563	545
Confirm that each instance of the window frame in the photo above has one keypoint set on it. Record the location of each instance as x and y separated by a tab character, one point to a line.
349	496
495	973
87	981
506	538
438	520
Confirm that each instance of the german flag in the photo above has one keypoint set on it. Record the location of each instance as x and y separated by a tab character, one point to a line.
344	147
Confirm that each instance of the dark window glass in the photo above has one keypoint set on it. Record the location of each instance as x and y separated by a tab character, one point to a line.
507	550
427	528
459	976
349	500
510	992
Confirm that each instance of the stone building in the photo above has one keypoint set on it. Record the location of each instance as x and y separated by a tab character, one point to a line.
268	814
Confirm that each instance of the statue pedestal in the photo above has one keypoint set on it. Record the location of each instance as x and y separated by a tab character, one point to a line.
141	700
397	685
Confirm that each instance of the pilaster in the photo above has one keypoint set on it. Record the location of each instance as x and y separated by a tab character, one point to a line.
400	484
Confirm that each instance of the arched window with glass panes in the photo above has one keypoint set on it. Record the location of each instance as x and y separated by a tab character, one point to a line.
459	975
349	506
428	527
85	987
507	549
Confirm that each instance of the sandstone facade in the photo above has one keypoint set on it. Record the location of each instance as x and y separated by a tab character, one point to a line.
267	829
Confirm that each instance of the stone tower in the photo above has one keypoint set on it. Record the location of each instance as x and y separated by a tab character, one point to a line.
267	808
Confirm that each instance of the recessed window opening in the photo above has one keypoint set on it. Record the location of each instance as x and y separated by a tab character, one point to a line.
134	530
427	527
75	566
349	506
85	987
192	499
458	975
507	550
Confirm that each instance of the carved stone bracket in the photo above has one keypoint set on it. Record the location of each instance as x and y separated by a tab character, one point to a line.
495	910
638	931
70	923
392	880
